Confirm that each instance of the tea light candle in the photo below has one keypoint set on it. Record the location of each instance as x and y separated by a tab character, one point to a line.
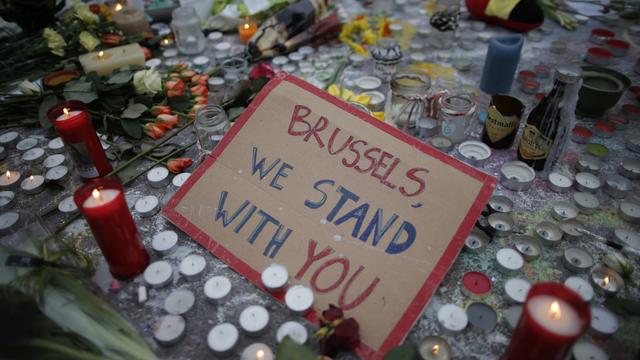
56	146
499	203
618	122
606	280
589	163
441	143
9	221
33	184
603	320
501	224
473	152
587	351
275	277
482	316
542	71
222	339
586	202
528	247
179	302
33	156
368	83
254	320
577	260
562	210
158	177
559	182
10	179
629	211
477	241
179	179
293	330
580	286
158	274
630	168
257	351
597	150
572	229
223	47
147	206
169	329
509	260
26	144
3	154
617	186
58	173
627	238
598	56
525	75
246	29
130	20
549	233
435	348
217	288
164	242
516	175
476	284
9	139
169	53
581	134
604	129
452	319
201	62
7	199
587	182
153	63
599	36
530	86
512	316
192	266
67	206
516	290
53	161
299	299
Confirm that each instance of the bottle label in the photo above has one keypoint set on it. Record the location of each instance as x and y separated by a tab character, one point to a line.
534	145
498	126
82	159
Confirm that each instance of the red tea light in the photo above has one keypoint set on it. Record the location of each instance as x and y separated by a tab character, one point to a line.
542	71
476	284
526	75
600	36
618	122
619	48
631	112
604	129
598	56
539	96
530	86
581	134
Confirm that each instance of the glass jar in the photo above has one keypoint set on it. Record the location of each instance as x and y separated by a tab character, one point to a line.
444	21
408	91
456	111
235	66
211	125
186	28
387	55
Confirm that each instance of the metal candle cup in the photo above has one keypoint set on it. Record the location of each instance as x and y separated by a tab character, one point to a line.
589	163
572	229
549	233
606	280
577	260
501	224
617	186
630	168
529	247
629	211
559	182
563	210
588	182
474	153
477	241
500	204
586	202
516	175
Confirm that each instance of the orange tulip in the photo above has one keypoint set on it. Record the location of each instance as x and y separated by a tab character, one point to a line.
153	130
177	165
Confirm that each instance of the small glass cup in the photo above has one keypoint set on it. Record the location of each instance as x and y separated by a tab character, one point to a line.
211	126
235	66
456	111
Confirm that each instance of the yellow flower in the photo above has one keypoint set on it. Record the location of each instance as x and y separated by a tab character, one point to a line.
85	15
378	115
88	41
55	41
360	25
369	37
105	11
348	95
359	49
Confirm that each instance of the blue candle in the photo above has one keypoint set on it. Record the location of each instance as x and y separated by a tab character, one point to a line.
501	63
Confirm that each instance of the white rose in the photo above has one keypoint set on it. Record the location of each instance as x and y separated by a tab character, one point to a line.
147	82
29	88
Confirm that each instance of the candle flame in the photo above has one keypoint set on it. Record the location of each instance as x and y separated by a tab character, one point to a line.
555	310
435	349
605	281
260	354
8	174
165	41
31	177
96	194
66	112
118	7
100	54
246	26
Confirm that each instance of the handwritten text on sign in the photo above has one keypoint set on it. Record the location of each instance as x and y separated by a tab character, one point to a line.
360	213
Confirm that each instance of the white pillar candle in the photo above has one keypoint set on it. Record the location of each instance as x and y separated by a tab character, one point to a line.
192	266
586	202
10	179
603	321
222	339
67	205
33	156
7	199
164	242
26	144
559	182
555	315
179	302
158	274
9	221
9	139
33	184
179	179
299	299
563	210
254	320
56	146
293	329
217	288
257	351
58	173
53	161
275	277
147	206
105	61
630	211
158	177
517	289
169	329
452	319
509	260
582	287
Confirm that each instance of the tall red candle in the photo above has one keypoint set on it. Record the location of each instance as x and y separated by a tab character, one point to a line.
72	122
553	318
102	203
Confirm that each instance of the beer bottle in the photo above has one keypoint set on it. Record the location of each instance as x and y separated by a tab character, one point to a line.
543	121
503	118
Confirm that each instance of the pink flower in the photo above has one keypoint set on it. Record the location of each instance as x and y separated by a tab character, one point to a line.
187	74
174	87
200	79
199	90
167	121
262	70
153	130
160	109
177	165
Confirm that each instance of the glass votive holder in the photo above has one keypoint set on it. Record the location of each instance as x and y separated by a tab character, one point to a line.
234	66
215	37
211	126
201	64
468	41
223	48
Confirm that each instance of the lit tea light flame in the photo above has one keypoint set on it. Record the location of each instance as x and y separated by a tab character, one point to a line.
246	26
118	7
31	178
555	310
260	354
435	349
605	281
66	112
8	174
100	54
96	194
165	41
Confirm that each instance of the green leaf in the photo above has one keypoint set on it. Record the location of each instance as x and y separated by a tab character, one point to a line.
114	103
623	307
180	103
80	90
46	104
290	350
132	127
121	77
405	351
235	112
133	111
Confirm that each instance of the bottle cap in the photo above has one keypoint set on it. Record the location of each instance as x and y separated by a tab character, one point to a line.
568	73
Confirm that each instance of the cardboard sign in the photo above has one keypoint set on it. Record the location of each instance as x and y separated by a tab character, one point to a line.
368	217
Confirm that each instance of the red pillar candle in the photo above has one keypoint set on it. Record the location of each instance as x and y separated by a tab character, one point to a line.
72	122
102	203
553	318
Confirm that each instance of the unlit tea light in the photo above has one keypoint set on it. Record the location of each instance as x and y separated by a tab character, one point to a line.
293	330
222	339
501	224
9	221
158	274
56	146
476	241
580	286
586	202
217	288
509	260
158	177
499	203
627	238
9	139
603	320
26	144
517	289
586	181
474	152
587	351
528	247
630	168
275	277
629	211
559	182
299	299
169	329
58	173
179	302
192	266
67	205
147	206
33	156
516	175
549	233
617	186
164	242
53	161
577	260
452	319
7	199
179	179
589	163
572	229
254	320
482	316
563	210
